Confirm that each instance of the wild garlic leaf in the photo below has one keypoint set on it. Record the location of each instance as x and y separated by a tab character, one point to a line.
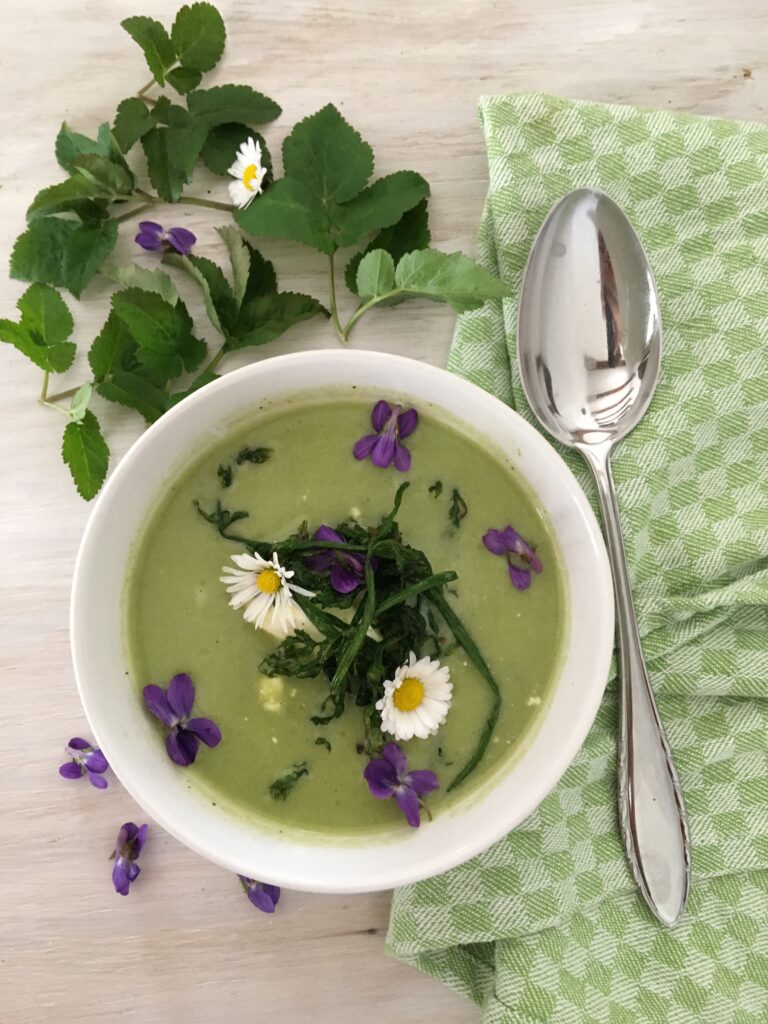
155	43
222	143
134	391
184	80
133	276
240	260
198	36
86	453
172	149
110	347
409	233
380	205
110	178
76	195
218	298
226	103
267	317
44	326
62	253
375	275
70	145
134	119
80	402
448	277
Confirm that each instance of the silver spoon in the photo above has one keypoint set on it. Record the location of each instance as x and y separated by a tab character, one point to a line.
589	345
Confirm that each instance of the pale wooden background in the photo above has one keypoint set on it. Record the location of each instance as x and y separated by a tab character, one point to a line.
186	945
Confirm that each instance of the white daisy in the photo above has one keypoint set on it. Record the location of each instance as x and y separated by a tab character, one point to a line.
264	589
249	171
417	700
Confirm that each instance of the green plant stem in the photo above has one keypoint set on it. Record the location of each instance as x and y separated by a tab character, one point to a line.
51	402
133	213
363	308
145	88
215	361
211	204
60	395
334	311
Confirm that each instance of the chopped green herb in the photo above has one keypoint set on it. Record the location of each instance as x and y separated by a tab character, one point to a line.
255	455
321	741
281	787
220	517
458	509
224	473
436	489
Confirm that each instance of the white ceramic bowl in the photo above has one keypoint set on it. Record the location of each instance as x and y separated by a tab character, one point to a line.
126	733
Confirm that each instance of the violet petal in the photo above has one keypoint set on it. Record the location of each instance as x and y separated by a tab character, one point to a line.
381	413
120	878
156	701
364	446
77	743
496	542
206	730
343	579
392	752
422	781
181	240
141	838
71	770
326	533
320	562
380	777
151	227
261	899
408	802
182	747
407	422
181	695
147	241
383	451
521	578
402	458
98	781
96	762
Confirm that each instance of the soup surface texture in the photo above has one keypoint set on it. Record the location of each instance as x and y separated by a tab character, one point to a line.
178	618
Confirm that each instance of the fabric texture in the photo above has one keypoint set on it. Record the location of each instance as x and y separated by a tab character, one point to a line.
547	926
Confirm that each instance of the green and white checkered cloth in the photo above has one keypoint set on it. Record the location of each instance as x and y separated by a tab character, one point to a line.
547	927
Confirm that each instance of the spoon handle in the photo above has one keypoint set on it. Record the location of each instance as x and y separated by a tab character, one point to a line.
653	819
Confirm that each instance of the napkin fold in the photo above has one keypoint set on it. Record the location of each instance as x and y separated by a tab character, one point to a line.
547	926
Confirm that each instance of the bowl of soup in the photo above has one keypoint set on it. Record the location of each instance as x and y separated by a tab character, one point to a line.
341	620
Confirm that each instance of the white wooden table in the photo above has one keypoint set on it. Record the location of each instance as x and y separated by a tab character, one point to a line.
186	945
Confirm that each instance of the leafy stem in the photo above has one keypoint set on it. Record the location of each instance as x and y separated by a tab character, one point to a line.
211	204
334	310
211	366
51	402
146	88
134	212
363	308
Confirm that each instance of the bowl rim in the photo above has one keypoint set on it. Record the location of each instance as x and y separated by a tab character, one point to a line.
441	859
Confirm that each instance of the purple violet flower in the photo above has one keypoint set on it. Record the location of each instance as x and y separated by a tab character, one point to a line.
391	426
508	542
347	567
130	840
153	237
263	896
387	776
85	759
173	707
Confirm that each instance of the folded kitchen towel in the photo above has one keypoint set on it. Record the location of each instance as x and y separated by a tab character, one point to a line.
547	926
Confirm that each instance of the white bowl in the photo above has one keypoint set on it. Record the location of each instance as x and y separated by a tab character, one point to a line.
126	734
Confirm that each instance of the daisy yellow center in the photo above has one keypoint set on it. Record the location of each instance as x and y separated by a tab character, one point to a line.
250	174
268	581
409	694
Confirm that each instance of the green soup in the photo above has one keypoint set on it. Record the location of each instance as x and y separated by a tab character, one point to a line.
178	618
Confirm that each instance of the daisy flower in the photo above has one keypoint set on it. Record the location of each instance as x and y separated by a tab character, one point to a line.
417	700
249	171
263	587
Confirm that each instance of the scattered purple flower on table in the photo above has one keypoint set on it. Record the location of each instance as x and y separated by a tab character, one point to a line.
153	237
347	567
130	840
173	707
387	777
85	759
384	447
263	896
509	543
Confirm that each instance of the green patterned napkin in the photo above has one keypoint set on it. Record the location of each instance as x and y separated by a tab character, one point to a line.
547	926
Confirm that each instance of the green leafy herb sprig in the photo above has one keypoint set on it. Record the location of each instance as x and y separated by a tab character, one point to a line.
146	357
404	600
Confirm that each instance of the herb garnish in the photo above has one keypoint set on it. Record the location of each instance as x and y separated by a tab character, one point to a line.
281	787
255	455
224	473
458	509
436	489
321	741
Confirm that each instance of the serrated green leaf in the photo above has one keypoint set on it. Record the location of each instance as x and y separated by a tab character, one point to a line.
133	119
62	253
184	80
218	298
226	103
86	453
239	259
411	232
375	275
198	36
70	145
448	277
52	358
80	402
154	323
219	151
199	382
76	195
134	276
380	205
135	392
110	347
155	43
290	210
267	317
85	252
46	314
327	156
262	279
108	177
172	151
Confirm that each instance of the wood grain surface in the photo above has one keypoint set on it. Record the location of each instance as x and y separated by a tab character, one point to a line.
186	945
